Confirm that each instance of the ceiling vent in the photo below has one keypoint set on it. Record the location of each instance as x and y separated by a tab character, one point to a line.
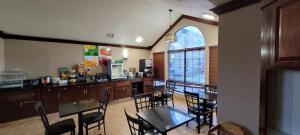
110	35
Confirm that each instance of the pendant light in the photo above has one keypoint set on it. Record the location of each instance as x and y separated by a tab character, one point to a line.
170	37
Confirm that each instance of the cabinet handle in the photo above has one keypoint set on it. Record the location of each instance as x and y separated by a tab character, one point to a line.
58	95
49	90
21	104
65	88
31	101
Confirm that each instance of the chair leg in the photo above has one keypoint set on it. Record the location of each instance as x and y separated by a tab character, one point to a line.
104	127
98	125
198	124
173	102
210	119
73	132
86	130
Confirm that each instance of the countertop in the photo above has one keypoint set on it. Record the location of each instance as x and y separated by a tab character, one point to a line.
65	85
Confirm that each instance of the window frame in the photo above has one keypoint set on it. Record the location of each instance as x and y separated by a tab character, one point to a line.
184	50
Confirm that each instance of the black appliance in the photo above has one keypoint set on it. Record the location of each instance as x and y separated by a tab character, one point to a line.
146	66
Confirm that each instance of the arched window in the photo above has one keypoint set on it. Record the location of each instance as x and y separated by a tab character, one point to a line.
187	56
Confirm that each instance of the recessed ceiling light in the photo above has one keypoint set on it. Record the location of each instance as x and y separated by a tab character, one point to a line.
208	16
139	39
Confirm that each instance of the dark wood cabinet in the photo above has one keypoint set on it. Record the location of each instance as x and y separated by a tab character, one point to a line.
49	99
10	111
10	106
280	48
147	83
123	89
108	87
92	92
28	100
15	105
71	94
283	33
19	103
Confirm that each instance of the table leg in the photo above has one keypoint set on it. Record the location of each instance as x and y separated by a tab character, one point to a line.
80	124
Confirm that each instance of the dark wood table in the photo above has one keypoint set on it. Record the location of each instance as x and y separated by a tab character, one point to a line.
164	118
78	108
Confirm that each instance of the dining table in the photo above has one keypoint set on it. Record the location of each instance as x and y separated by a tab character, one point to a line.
164	118
78	107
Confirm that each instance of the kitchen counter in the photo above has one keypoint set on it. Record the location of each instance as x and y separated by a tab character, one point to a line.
21	101
66	85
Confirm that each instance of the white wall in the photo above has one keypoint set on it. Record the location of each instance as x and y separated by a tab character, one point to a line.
239	67
2	55
210	34
38	59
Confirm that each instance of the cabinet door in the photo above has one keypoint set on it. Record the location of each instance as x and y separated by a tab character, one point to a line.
28	108
128	90
148	81
10	106
111	91
10	111
29	98
92	92
71	94
49	99
287	33
120	92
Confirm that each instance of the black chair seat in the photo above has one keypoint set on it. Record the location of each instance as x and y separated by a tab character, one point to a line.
92	117
61	127
195	111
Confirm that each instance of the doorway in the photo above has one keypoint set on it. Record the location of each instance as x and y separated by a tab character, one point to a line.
159	65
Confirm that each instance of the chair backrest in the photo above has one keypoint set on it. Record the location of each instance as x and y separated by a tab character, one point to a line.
211	89
159	82
40	110
104	99
226	128
171	86
143	102
192	100
135	125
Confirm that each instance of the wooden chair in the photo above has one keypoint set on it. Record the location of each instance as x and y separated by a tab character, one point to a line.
169	94
194	107
99	116
57	128
144	102
211	89
226	128
158	100
136	126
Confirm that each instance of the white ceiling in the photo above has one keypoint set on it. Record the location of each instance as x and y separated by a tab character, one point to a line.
91	20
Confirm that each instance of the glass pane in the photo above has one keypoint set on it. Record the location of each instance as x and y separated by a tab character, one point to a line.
187	37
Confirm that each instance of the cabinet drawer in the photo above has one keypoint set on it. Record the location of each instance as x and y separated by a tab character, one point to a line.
122	83
10	96
33	94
